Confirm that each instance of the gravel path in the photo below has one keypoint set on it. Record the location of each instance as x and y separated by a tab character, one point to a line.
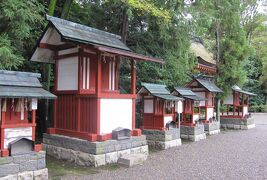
229	155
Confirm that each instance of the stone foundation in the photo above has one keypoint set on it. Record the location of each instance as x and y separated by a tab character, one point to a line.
212	128
26	166
237	123
193	133
163	139
86	153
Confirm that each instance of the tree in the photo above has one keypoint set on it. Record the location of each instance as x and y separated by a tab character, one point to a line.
20	25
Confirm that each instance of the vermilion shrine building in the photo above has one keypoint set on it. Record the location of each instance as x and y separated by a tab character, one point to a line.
159	118
203	85
90	102
191	112
19	93
235	113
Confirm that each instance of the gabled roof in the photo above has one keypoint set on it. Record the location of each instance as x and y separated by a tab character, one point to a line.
238	89
184	91
209	85
160	91
16	84
188	93
84	34
61	34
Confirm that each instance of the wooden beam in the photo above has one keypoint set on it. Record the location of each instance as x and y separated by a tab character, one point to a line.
56	47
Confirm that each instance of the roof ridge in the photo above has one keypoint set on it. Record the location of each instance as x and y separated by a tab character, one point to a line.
53	19
20	73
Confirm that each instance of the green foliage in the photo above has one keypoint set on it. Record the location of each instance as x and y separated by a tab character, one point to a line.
19	20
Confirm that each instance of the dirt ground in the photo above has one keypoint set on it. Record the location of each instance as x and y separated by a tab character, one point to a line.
239	154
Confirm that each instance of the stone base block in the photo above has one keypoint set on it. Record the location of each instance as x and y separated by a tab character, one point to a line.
193	133
214	132
24	166
130	160
85	153
237	123
163	139
212	128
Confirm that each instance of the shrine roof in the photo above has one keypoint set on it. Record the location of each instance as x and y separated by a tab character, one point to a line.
209	85
187	93
84	34
159	90
62	34
184	91
17	84
200	51
238	89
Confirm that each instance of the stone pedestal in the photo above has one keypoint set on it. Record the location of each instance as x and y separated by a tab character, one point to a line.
212	128
193	133
164	139
86	153
237	123
25	166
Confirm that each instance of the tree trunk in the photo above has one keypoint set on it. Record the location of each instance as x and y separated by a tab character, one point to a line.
66	9
125	26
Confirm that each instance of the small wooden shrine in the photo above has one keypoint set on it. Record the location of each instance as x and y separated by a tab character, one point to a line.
19	93
92	102
235	110
191	108
204	87
191	128
159	115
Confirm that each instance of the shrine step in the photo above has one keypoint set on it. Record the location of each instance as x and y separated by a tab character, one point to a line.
130	160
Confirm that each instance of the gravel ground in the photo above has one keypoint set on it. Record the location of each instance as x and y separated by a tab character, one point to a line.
229	155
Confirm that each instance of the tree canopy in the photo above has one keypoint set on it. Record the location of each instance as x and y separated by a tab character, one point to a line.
233	30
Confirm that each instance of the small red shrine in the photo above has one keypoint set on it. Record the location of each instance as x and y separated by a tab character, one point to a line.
19	94
236	103
191	110
90	102
160	116
159	106
204	87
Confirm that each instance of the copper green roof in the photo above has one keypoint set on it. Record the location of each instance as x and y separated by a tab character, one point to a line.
160	90
16	84
188	93
84	34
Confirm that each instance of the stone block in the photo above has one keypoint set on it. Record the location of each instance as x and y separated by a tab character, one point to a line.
112	157
41	164
144	149
28	166
8	169
82	159
25	157
26	175
99	160
135	150
237	126
132	159
10	177
124	152
41	174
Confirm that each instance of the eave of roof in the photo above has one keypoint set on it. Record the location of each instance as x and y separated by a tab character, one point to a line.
238	89
210	86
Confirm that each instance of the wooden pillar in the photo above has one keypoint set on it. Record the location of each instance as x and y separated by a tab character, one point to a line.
133	90
98	92
133	77
33	124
